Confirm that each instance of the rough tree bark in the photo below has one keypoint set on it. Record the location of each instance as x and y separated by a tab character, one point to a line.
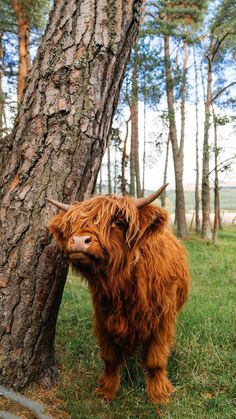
23	47
56	148
177	151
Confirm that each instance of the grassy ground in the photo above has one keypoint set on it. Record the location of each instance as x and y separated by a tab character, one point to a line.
202	366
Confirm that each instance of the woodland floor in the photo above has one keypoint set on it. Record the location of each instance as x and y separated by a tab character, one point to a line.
202	367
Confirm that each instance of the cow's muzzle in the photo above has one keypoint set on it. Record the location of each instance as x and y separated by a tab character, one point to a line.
79	244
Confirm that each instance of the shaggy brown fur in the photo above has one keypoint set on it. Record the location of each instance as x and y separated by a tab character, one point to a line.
138	277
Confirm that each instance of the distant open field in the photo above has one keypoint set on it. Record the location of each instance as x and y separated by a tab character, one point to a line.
227	200
227	203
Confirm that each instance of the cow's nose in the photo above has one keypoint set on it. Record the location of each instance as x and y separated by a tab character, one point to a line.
79	243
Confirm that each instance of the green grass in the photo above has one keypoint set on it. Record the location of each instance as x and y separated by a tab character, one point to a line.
202	366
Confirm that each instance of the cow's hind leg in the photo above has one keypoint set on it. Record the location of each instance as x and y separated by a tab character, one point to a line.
155	361
109	381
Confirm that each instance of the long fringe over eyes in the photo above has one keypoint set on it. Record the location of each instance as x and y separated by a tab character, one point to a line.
101	210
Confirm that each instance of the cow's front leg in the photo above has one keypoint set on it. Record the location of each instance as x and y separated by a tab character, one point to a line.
155	361
109	381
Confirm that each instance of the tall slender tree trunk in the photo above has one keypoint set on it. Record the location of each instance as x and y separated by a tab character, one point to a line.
216	184
203	81
115	169
163	195
183	101
220	216
206	226
23	47
57	143
197	194
177	152
1	86
124	156
135	185
109	166
144	140
100	181
132	151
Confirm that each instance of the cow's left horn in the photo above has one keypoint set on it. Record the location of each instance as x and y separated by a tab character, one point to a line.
141	202
58	204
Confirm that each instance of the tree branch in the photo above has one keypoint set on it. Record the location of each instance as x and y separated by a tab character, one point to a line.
218	44
221	91
223	162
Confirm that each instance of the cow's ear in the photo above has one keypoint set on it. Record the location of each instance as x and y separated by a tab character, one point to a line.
55	226
153	218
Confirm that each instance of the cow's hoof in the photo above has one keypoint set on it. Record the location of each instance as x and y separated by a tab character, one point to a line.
106	395
159	388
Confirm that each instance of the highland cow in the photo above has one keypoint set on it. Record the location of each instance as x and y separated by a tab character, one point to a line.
138	277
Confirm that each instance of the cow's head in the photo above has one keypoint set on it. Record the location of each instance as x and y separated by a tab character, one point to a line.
104	230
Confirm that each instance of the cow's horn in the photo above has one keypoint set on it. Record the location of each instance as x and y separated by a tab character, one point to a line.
141	202
58	204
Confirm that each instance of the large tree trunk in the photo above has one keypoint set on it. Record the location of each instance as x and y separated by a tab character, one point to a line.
206	226
57	145
177	152
23	47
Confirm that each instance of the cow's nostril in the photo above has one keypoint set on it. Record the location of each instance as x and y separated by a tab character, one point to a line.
87	240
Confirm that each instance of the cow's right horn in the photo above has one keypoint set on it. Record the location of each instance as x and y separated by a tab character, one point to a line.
141	202
58	204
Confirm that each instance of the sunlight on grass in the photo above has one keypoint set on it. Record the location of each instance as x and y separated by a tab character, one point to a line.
202	365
